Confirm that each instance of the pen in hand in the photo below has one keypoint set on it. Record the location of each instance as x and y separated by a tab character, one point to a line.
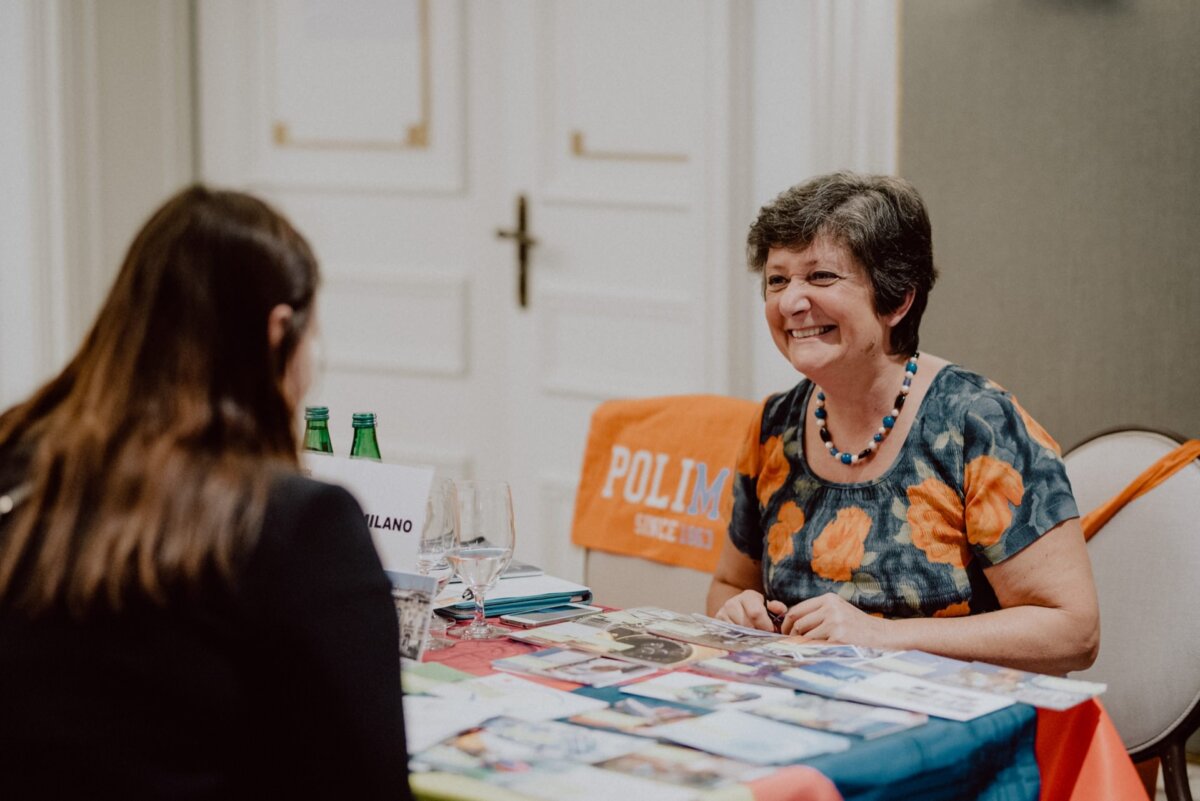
776	620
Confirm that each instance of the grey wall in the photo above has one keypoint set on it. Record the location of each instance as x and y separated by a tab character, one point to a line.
1057	144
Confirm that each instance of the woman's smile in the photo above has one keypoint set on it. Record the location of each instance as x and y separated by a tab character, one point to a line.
811	331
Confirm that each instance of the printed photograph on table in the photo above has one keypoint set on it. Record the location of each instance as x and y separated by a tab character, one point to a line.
571	634
705	691
840	717
825	677
517	697
710	632
635	715
631	628
749	738
638	617
574	666
556	781
796	650
505	744
685	767
918	663
748	666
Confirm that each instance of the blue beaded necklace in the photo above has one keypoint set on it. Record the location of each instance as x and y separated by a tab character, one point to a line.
889	420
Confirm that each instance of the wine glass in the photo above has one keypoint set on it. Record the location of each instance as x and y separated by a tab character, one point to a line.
437	536
483	545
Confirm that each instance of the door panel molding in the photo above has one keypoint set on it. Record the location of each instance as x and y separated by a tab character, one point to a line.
381	321
318	122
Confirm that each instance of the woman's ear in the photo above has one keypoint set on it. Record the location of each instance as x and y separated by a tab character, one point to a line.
278	322
895	317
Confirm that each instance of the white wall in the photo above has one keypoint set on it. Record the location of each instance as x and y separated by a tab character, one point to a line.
27	331
826	97
96	130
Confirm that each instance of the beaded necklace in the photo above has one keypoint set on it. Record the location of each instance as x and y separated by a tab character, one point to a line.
889	420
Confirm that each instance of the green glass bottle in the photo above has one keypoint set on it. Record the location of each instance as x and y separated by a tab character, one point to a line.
365	445
316	429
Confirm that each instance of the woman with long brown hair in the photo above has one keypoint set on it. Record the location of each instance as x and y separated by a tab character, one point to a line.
182	615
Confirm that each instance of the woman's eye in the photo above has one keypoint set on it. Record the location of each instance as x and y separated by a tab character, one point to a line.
822	278
776	281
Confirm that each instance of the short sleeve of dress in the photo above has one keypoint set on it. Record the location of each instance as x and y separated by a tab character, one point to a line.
745	532
1015	486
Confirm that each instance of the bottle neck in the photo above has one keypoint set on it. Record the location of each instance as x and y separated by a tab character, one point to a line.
316	437
365	445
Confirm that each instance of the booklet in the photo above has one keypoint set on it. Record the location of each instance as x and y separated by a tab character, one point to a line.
921	695
840	717
512	596
1035	689
711	632
577	666
705	691
750	738
412	595
685	767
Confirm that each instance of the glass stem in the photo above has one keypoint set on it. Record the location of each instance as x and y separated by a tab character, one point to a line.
478	622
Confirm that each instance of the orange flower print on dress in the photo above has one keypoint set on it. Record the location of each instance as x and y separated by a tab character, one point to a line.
935	517
1039	434
838	550
991	485
775	469
955	610
779	538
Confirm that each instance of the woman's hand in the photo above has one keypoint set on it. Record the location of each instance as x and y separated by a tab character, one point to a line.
831	618
748	608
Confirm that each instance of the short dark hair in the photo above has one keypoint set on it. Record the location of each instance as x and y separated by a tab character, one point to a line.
883	222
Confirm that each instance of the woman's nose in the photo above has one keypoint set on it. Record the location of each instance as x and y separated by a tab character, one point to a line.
795	298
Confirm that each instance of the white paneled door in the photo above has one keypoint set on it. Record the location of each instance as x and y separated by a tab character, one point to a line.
400	135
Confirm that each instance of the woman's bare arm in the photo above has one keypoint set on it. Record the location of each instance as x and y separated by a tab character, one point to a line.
1049	623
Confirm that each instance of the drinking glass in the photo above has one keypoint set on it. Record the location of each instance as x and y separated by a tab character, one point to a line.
437	536
483	546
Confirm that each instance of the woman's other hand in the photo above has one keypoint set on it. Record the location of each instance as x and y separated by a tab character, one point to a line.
831	618
748	608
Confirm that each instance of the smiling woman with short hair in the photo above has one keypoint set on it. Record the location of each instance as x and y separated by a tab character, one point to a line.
891	498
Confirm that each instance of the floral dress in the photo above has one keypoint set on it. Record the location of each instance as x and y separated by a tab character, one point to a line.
976	481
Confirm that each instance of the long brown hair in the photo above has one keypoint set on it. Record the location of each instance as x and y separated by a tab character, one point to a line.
149	456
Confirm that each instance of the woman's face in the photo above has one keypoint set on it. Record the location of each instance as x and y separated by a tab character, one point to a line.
298	375
820	307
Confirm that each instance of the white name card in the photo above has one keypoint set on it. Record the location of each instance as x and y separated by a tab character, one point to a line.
393	499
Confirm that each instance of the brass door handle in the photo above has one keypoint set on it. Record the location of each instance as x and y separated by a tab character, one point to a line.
524	241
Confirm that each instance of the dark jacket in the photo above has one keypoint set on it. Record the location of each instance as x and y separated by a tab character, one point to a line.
288	685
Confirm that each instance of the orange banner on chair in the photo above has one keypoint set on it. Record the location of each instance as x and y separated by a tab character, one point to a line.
657	478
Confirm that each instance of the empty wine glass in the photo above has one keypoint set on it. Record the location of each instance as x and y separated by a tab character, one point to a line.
437	537
483	545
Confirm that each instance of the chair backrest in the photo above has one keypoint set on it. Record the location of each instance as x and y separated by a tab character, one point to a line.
1146	561
654	497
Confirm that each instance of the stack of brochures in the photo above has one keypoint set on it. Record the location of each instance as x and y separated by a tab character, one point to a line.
512	596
